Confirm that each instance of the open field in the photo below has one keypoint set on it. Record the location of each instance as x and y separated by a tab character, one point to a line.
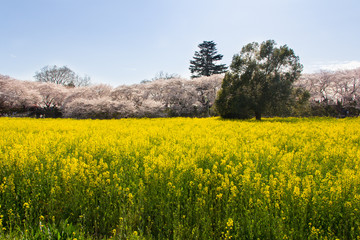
180	178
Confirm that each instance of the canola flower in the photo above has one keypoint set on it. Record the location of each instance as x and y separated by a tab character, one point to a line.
180	178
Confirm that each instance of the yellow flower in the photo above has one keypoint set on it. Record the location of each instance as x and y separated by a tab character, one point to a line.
296	191
230	222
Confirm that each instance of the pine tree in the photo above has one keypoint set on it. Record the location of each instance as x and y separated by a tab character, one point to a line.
204	61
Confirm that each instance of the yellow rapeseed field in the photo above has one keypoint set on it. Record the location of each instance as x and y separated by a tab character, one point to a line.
180	178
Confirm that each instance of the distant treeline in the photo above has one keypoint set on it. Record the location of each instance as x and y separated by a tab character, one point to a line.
159	98
334	94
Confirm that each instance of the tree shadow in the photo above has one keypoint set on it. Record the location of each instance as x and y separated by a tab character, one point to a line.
275	119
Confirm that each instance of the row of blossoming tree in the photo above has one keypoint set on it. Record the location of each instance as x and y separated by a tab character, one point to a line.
160	98
333	93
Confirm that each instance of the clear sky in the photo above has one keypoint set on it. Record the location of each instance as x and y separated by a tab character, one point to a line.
123	42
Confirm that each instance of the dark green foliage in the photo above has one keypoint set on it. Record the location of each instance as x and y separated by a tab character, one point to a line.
204	61
338	110
260	79
298	105
232	101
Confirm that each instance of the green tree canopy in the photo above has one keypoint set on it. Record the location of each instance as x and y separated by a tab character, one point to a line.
262	75
204	61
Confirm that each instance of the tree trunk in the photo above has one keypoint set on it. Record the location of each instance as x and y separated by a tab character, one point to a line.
258	116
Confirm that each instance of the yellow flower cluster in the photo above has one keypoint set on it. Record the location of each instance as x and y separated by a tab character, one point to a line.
183	178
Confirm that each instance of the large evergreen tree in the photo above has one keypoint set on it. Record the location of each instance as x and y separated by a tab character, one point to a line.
261	77
204	61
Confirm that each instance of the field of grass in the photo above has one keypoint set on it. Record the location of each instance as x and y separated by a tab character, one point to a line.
180	178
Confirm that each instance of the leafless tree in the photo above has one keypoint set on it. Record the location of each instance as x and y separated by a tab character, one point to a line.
62	76
165	75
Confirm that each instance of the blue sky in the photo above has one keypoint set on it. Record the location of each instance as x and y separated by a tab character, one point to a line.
123	42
